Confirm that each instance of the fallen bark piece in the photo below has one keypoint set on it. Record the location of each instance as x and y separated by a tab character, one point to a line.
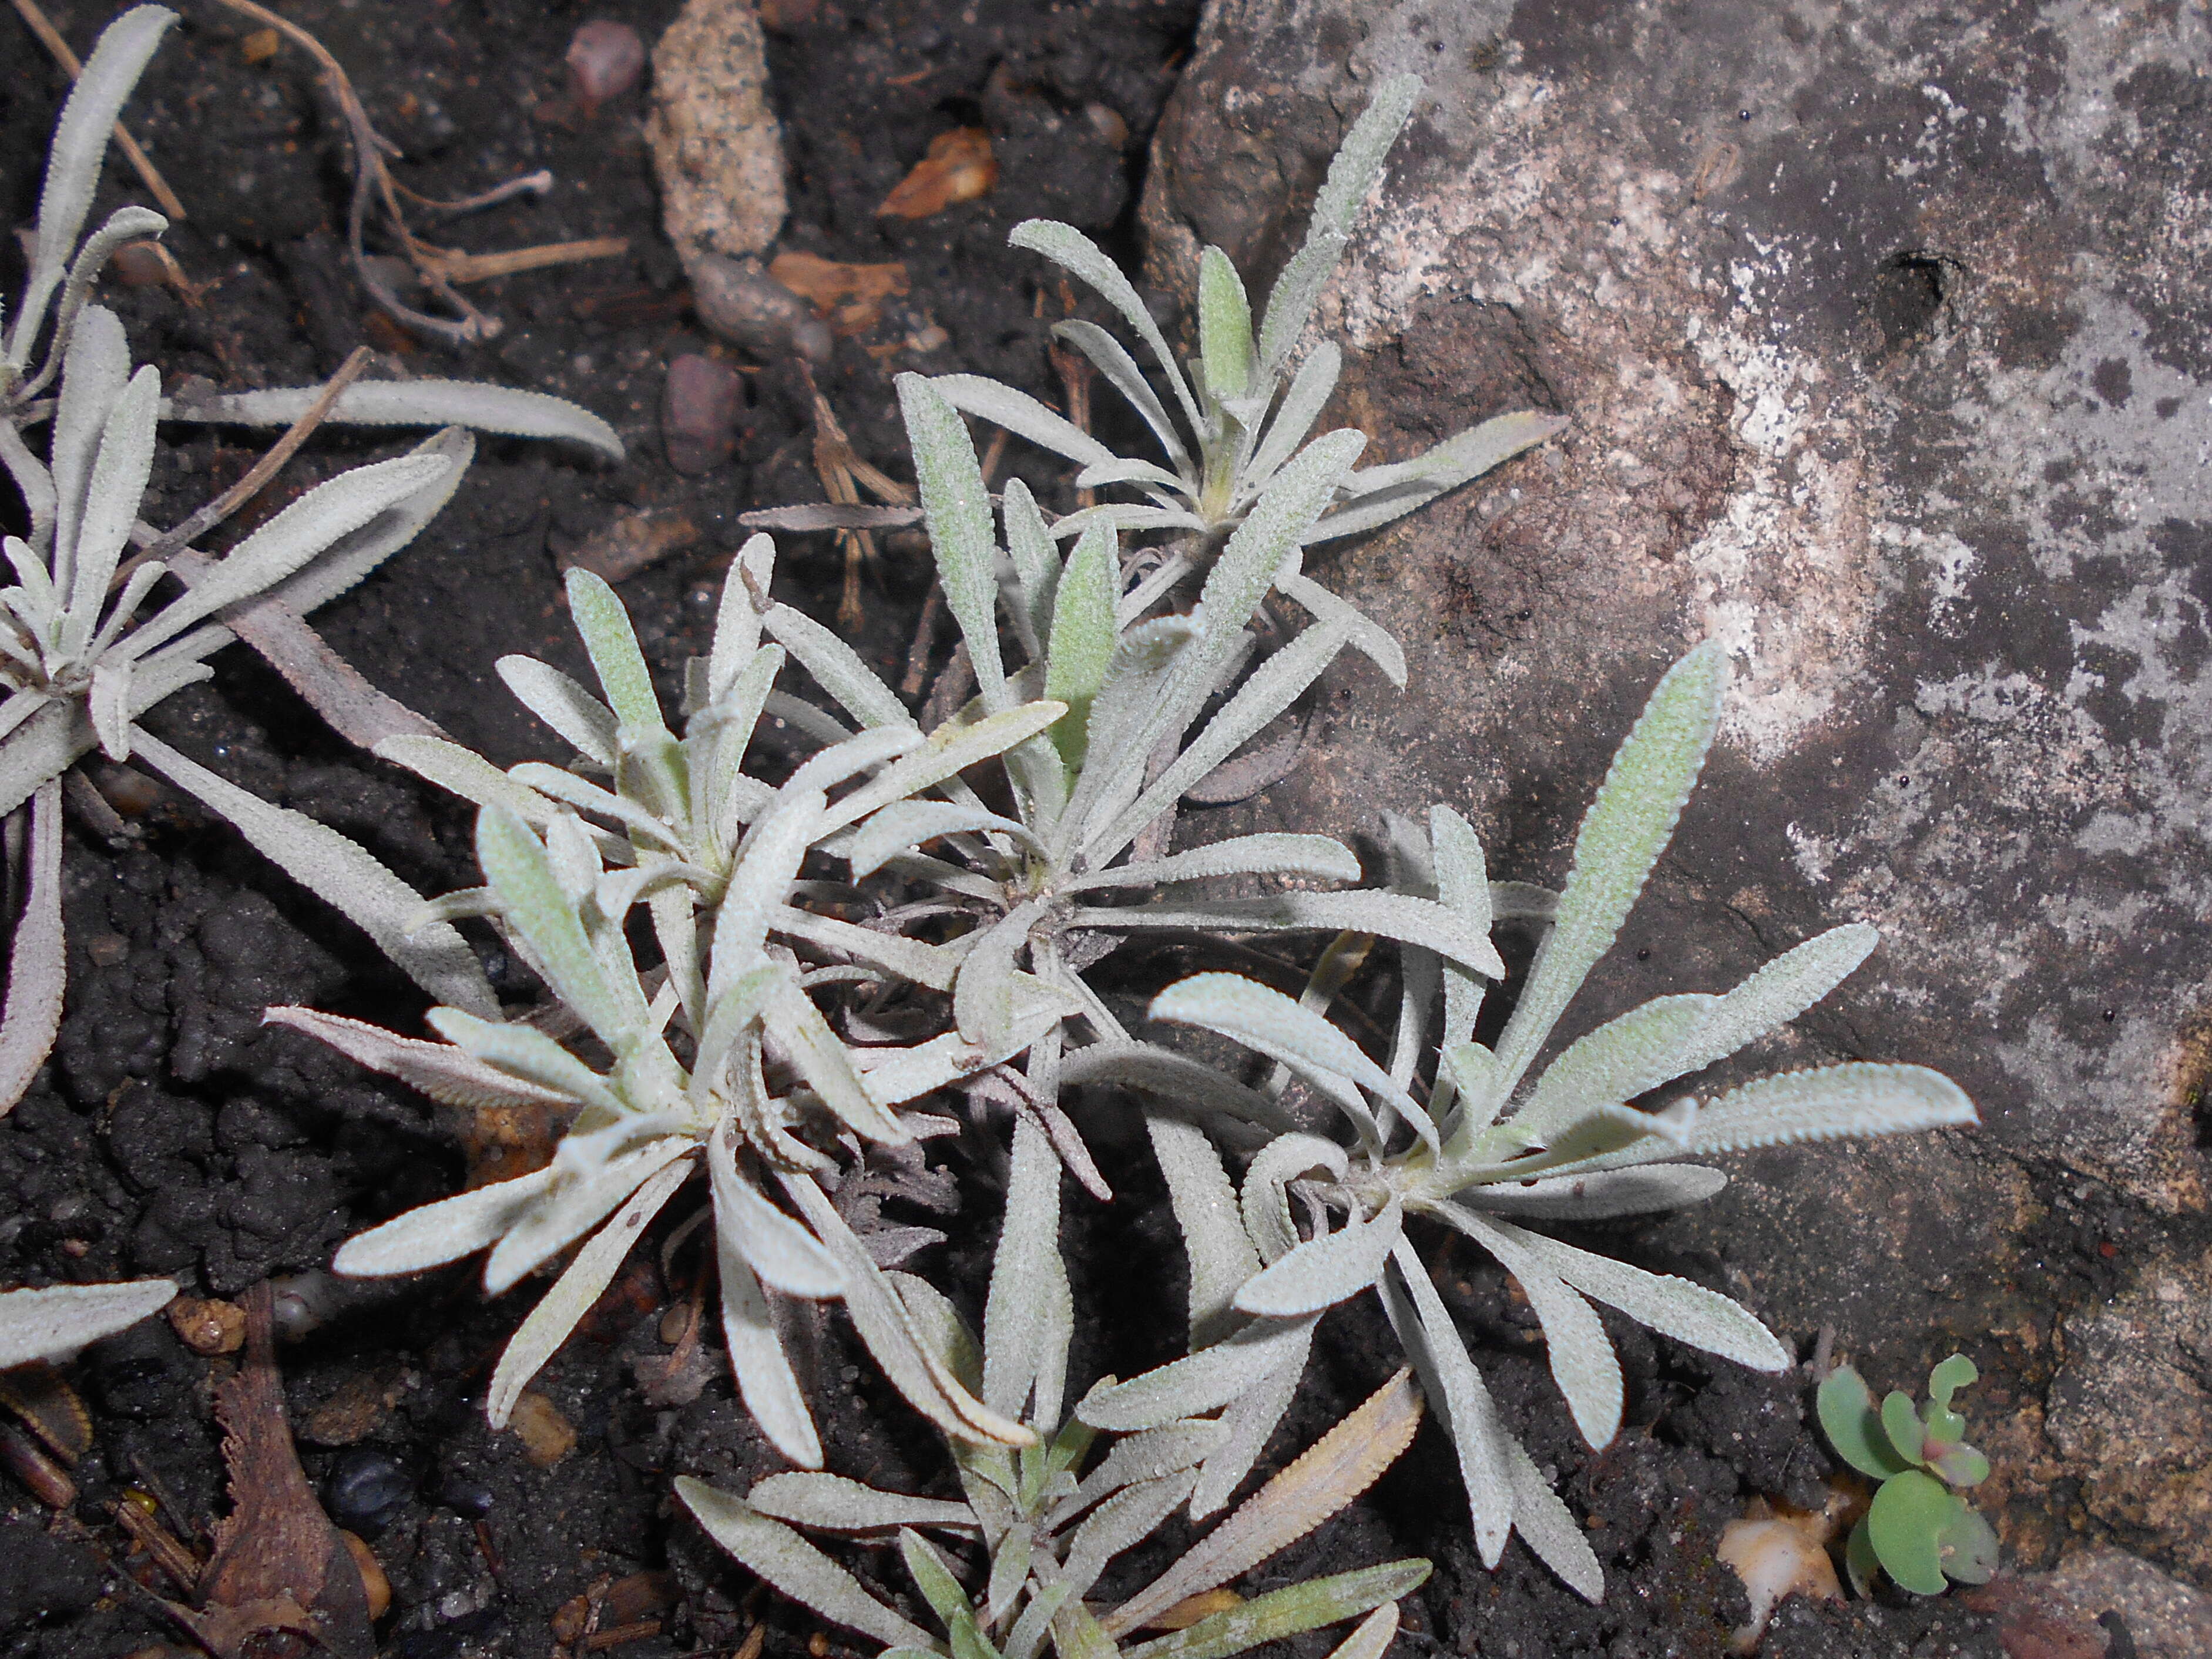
851	296
959	167
278	1565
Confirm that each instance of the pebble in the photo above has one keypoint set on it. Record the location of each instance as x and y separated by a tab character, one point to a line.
466	1495
366	1486
739	301
699	406
605	61
547	1437
208	1328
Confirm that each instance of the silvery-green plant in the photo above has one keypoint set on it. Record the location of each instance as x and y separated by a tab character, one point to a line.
1094	799
56	1321
1235	433
79	663
65	265
1048	1528
1493	1143
717	1052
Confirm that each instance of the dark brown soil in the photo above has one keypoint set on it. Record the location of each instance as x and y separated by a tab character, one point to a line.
172	1135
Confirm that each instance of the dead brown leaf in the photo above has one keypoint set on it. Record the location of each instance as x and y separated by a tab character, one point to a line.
959	167
1335	1469
851	296
278	1565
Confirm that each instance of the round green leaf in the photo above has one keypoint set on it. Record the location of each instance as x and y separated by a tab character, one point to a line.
1906	1524
1968	1545
1853	1426
1908	1436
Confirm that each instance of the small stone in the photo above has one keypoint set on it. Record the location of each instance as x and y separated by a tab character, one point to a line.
605	61
207	1327
739	302
349	1416
547	1437
105	950
466	1495
699	407
365	1488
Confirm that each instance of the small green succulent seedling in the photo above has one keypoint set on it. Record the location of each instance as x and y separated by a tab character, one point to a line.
716	855
1236	433
1484	1155
1048	1528
1919	1530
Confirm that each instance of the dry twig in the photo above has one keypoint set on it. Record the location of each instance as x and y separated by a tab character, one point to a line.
439	268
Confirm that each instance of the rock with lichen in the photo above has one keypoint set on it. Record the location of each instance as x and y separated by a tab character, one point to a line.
1883	331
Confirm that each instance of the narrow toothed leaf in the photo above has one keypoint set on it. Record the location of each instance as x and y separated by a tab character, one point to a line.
1122	372
1225	326
833	1504
572	1207
56	1321
588	725
1456	1390
445	1231
957	506
1084	636
1674	1307
951	750
37	959
1282	1613
906	825
794	1566
1070	248
1198	1382
1835	1101
1323	1272
540	1335
1029	1313
1622	834
1220	1255
1339	1467
1599	1194
343	874
1318	857
603	624
1022	415
1583	1361
506	411
781	1252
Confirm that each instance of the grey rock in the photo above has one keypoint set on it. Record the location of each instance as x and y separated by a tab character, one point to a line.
1883	333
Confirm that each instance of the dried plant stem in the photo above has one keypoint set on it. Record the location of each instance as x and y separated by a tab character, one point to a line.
256	478
50	37
372	178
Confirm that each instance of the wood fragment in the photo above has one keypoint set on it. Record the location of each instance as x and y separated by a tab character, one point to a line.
959	167
276	1546
456	266
161	1545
